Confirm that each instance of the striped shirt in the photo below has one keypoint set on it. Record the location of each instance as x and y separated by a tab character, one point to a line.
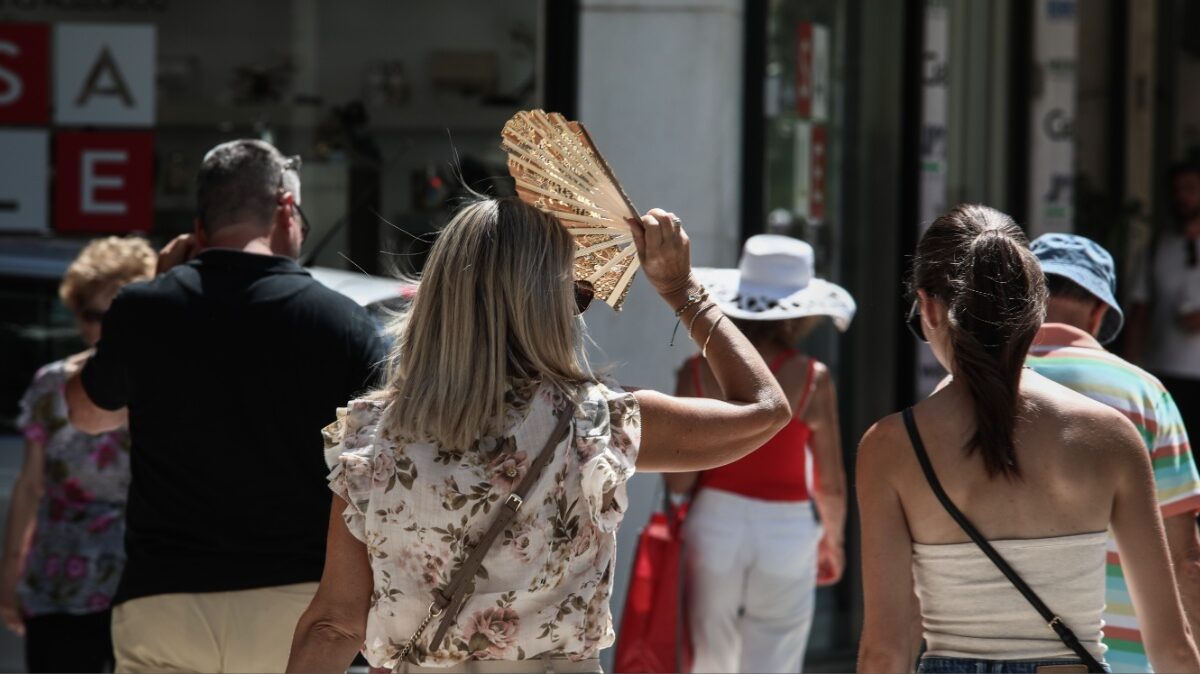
1074	359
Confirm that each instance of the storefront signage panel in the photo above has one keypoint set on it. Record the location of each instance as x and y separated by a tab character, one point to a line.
24	188
104	182
812	108
809	166
104	74
102	77
816	196
812	71
1052	122
24	73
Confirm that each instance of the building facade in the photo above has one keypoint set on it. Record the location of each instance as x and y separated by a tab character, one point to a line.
849	123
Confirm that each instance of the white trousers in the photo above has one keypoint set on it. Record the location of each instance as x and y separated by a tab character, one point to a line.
751	583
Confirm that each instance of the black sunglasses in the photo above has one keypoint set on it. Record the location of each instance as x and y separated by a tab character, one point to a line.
914	321
305	228
584	293
293	164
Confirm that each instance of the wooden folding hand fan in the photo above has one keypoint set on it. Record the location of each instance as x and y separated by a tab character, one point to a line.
558	169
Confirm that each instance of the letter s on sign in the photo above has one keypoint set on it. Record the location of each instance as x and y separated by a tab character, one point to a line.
11	87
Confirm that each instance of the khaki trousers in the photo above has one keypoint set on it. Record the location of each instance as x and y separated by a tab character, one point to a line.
543	665
244	631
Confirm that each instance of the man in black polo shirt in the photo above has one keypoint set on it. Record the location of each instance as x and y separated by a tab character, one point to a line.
229	366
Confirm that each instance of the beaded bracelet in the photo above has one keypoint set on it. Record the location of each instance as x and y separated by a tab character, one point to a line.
700	296
692	300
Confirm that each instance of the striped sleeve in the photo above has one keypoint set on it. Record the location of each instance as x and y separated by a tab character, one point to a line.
1175	474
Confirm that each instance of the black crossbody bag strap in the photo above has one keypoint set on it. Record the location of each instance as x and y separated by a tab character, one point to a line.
1055	623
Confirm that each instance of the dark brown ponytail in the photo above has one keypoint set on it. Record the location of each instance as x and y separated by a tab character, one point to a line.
977	261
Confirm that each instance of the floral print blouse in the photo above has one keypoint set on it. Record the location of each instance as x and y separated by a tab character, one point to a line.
78	548
545	584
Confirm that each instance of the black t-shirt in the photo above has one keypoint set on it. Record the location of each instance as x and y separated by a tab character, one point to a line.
230	366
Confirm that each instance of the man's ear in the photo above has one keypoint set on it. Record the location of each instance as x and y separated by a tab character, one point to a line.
285	214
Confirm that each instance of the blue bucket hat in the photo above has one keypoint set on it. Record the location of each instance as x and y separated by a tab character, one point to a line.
1085	262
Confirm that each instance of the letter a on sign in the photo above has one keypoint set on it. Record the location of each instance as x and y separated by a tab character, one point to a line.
115	86
104	74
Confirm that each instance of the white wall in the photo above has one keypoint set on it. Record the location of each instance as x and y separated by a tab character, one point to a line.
660	92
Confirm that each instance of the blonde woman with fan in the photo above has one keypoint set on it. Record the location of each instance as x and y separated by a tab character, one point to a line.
755	552
479	491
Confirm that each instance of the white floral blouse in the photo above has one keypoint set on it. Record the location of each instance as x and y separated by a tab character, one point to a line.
545	584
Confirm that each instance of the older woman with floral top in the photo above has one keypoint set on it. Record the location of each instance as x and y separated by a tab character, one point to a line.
64	547
486	371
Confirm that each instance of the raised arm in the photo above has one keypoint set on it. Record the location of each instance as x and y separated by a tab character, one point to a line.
888	598
683	483
1138	528
97	388
688	434
333	627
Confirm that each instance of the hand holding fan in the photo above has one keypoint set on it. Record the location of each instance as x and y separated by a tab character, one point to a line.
558	170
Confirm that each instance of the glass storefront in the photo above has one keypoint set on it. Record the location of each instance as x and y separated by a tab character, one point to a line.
395	108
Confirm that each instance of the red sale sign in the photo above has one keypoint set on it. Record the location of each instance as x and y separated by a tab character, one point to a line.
24	73
804	69
104	182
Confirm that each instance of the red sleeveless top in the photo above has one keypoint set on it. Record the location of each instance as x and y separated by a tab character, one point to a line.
777	471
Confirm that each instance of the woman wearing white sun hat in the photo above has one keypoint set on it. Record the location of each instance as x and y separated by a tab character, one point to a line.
755	551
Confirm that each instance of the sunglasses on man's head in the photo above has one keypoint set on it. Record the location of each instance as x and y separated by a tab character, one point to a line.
293	164
305	228
913	321
584	293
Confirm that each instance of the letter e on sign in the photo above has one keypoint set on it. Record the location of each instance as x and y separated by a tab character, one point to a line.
24	73
104	74
104	182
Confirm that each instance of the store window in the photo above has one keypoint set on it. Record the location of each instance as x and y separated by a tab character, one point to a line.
801	185
395	108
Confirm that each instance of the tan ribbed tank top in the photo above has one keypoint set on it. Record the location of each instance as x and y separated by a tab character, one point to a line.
970	610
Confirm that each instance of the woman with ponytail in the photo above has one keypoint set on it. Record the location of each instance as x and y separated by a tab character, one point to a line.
1003	468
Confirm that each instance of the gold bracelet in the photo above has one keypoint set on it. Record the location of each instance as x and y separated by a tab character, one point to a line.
696	316
704	350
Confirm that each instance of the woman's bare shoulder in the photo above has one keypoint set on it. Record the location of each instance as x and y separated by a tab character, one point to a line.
884	444
1080	422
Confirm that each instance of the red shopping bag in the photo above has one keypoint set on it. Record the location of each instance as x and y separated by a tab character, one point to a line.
654	637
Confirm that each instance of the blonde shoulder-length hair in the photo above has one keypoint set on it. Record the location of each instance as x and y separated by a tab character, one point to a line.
495	304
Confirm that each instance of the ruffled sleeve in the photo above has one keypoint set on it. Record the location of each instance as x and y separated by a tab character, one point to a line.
608	433
350	454
41	412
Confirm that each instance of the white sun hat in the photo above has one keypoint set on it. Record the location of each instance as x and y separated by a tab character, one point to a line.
775	281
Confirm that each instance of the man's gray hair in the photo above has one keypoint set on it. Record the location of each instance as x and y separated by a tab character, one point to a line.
240	181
